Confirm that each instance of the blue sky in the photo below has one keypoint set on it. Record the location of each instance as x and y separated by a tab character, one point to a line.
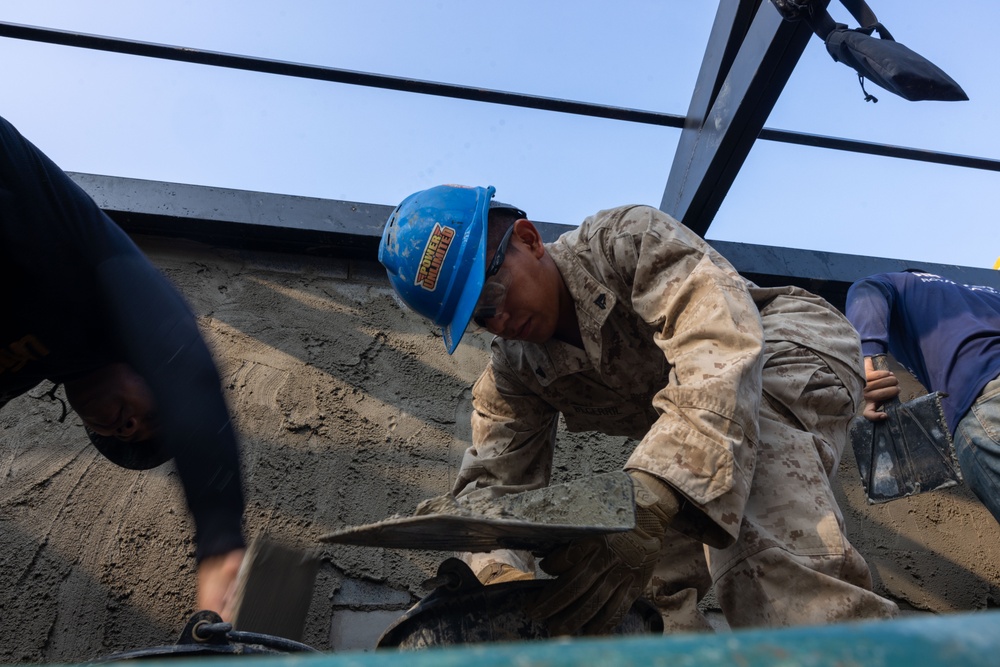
122	115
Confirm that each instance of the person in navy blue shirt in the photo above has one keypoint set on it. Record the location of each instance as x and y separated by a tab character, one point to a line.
948	336
83	307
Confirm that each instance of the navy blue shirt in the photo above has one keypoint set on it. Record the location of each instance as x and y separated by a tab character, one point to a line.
946	334
77	294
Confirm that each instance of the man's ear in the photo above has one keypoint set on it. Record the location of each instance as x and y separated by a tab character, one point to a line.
529	237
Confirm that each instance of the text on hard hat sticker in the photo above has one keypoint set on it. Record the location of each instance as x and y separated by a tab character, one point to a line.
434	254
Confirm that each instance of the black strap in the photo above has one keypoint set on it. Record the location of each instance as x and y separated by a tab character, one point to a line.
823	24
861	12
866	18
868	96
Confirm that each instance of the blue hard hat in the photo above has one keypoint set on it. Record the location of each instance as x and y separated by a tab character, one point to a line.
434	249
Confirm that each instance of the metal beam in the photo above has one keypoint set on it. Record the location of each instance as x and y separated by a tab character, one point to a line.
830	274
330	228
732	99
239	218
733	24
331	74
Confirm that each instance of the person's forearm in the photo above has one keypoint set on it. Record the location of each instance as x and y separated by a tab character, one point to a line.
217	580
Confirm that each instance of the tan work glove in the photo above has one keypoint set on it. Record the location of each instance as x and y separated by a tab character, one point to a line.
500	573
598	578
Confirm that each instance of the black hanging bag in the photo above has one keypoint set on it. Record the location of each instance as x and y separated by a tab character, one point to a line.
882	60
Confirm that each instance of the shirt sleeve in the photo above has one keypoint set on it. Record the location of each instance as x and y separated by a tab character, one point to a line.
162	343
706	325
869	304
112	302
513	435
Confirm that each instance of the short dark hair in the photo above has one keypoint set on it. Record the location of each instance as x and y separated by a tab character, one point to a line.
501	218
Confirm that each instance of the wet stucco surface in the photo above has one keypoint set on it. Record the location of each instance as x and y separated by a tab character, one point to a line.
349	411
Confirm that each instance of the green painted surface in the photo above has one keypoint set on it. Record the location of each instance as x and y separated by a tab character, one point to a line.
965	640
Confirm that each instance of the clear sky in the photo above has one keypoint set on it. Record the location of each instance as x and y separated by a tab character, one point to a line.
137	117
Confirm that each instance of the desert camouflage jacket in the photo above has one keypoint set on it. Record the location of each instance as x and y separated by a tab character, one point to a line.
673	351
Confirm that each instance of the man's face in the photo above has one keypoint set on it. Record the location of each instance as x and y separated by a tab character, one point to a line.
114	401
530	308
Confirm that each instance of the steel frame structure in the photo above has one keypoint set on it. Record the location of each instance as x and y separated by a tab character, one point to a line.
750	55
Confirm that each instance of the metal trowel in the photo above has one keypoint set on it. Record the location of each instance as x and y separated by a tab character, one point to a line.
533	520
274	588
911	452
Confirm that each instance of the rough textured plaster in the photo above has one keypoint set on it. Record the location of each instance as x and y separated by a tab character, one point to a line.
349	411
938	551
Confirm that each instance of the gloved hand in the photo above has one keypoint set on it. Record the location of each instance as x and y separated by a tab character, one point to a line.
500	573
598	578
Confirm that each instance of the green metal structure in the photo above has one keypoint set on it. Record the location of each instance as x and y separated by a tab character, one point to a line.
959	640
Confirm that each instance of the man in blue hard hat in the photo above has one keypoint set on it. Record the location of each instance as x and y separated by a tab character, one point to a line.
631	325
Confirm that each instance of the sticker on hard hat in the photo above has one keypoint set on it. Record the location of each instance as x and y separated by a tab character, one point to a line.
434	254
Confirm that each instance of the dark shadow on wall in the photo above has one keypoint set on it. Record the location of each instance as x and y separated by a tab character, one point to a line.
932	552
353	426
335	316
88	548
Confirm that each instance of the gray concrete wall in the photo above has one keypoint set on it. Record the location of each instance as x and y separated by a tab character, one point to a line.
349	411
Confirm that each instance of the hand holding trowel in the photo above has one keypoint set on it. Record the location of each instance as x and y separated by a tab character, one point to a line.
902	449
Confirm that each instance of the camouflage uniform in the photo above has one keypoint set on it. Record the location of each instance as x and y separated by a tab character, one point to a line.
673	355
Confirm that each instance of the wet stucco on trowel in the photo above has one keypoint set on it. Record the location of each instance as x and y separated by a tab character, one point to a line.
349	411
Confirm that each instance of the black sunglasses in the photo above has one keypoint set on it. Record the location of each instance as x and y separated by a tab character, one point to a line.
499	255
484	312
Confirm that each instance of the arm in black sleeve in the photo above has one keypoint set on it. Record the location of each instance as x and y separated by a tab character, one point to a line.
106	299
162	343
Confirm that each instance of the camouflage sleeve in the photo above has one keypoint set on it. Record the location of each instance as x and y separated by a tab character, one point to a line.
708	328
513	435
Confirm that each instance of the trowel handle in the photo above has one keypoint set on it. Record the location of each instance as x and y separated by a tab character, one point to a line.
880	362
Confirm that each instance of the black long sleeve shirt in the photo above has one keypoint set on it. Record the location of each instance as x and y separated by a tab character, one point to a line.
78	294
